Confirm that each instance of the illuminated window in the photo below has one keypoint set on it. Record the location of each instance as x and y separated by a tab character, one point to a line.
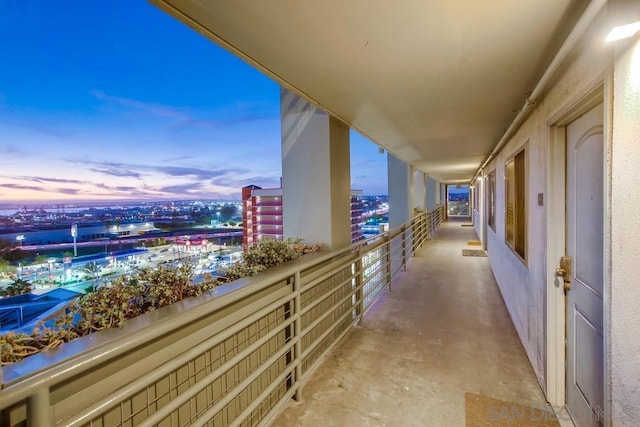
515	194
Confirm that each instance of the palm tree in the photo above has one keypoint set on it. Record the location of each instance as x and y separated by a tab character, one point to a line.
18	287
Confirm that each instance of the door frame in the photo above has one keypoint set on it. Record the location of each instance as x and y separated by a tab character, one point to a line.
555	372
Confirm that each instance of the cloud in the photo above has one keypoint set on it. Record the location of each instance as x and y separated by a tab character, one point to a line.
157	110
49	179
22	187
266	181
118	172
11	150
178	159
181	189
70	191
135	170
182	171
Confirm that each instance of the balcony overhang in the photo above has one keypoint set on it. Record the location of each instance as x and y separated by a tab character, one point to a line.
434	83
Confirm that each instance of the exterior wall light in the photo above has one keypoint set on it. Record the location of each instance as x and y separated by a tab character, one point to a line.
623	32
624	19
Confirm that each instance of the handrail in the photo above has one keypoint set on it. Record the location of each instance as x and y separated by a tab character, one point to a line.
337	286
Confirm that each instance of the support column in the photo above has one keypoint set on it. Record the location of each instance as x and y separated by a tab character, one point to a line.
400	191
419	190
316	176
433	193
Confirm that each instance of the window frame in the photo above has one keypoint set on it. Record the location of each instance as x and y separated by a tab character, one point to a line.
491	200
516	186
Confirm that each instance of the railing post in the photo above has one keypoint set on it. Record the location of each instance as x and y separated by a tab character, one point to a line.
359	288
297	329
38	409
404	248
387	247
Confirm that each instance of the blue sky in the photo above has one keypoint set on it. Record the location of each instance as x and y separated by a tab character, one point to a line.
116	99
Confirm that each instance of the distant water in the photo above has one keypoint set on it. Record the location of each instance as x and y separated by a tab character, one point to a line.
8	212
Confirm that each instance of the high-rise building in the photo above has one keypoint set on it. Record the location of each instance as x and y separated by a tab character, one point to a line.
262	214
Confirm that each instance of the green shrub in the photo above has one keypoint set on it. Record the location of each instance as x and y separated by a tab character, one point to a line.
266	254
145	290
108	306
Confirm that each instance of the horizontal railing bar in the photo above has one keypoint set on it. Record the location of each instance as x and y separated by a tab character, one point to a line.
325	295
330	310
175	363
278	406
365	266
317	362
186	312
324	276
184	397
383	285
330	329
258	400
243	385
371	275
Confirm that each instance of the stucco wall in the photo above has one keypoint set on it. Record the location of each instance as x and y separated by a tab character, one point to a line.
625	235
523	284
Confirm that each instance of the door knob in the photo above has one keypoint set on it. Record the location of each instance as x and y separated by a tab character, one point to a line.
565	272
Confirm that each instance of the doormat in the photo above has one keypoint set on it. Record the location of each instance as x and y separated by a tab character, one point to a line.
482	411
466	225
473	252
474	243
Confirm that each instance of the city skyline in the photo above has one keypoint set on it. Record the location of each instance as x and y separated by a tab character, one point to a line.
117	100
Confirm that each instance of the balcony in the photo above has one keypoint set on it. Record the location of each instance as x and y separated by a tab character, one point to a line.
268	204
240	355
269	223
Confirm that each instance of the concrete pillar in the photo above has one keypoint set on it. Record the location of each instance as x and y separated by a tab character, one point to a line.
400	177
419	190
316	176
433	193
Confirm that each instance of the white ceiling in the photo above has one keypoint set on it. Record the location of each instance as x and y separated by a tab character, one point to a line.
436	83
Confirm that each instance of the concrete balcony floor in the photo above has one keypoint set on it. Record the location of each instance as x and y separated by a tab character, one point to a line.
441	332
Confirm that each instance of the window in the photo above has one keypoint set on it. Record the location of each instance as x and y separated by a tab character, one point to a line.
491	200
515	192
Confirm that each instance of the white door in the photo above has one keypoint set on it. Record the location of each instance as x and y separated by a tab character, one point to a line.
585	227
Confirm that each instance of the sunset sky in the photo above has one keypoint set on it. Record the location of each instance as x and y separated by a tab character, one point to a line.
117	100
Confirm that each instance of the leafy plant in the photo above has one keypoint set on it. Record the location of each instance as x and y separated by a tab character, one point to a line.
18	287
145	290
108	306
268	253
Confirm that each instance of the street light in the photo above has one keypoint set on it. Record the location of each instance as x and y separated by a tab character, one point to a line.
74	234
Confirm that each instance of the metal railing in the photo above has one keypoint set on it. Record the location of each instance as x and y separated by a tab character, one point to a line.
232	358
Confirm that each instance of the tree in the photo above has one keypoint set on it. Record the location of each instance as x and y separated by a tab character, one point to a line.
18	287
5	267
227	212
93	270
5	244
40	259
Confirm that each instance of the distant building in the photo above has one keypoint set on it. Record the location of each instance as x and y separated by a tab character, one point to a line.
43	235
262	215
